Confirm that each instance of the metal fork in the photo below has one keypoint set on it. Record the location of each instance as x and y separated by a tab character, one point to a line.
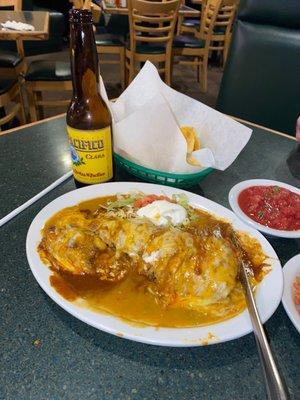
276	389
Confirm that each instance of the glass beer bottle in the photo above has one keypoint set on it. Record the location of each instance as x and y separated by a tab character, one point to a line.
88	117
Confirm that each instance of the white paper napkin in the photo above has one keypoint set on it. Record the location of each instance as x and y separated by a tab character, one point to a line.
147	120
17	26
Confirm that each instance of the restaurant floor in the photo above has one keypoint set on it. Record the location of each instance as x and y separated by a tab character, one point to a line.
184	80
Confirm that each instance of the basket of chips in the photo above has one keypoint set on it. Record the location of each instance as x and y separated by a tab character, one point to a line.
163	136
162	178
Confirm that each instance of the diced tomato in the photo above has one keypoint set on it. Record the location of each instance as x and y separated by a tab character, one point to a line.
272	206
149	199
297	298
296	292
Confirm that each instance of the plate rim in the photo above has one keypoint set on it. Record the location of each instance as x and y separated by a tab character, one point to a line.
287	300
232	198
80	314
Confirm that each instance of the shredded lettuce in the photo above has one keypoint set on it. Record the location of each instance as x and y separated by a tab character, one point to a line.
122	201
125	201
193	216
181	199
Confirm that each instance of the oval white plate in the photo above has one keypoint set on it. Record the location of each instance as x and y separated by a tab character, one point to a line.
290	271
233	201
268	295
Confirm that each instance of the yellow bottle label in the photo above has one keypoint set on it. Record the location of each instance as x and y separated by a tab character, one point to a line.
91	153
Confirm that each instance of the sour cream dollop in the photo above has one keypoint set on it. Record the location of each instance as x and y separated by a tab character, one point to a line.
163	212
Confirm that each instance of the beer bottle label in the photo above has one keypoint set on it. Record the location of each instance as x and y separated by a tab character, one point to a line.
91	153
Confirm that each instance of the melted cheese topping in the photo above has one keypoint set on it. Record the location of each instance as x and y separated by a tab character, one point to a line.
149	272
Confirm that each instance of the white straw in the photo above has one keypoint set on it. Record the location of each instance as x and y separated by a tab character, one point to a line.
28	203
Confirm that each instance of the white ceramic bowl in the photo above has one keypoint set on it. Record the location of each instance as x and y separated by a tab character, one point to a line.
233	201
268	293
290	271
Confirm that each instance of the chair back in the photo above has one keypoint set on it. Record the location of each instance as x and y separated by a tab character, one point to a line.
202	3
152	22
208	20
226	15
16	5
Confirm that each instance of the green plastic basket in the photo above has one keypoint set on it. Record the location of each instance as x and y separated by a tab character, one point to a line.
162	178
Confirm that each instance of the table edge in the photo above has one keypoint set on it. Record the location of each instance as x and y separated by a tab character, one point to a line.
251	124
19	128
190	11
270	130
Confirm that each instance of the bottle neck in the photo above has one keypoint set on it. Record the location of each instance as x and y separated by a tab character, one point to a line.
84	60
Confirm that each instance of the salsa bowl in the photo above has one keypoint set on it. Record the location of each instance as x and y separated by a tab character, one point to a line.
234	203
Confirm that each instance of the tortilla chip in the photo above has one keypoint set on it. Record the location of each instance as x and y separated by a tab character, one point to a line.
193	143
189	137
197	145
192	140
191	160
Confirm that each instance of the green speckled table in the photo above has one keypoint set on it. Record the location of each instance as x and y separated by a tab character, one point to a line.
47	354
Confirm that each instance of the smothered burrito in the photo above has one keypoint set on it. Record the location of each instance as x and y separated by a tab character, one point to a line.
150	259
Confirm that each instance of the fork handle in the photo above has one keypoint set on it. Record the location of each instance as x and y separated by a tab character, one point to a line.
275	387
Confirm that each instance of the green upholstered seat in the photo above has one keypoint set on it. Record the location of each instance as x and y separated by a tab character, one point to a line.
191	23
9	59
48	71
109	40
118	25
219	30
6	85
184	41
149	49
195	23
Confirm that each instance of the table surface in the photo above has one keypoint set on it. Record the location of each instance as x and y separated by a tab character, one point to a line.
48	354
184	10
39	19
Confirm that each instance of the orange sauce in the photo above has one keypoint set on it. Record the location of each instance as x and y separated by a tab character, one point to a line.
130	300
93	204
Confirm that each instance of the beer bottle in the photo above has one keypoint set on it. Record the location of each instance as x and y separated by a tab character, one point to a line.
88	117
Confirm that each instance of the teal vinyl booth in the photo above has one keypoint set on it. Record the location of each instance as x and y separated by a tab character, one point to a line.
261	81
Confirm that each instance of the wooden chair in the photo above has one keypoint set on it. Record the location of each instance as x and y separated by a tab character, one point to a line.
198	48
10	92
40	75
152	26
50	77
47	76
190	25
223	26
107	44
12	63
221	37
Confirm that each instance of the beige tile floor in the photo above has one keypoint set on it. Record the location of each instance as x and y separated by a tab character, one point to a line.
184	80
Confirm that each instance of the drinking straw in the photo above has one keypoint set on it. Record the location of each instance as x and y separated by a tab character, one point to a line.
28	203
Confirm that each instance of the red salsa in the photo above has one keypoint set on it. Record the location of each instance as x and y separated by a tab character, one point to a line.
272	206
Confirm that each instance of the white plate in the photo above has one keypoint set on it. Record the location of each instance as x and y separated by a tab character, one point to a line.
290	271
233	201
268	295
